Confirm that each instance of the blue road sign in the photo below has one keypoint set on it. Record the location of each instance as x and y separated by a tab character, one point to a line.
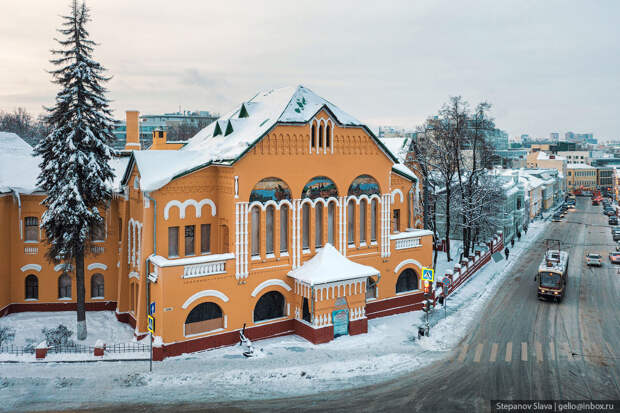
152	308
428	274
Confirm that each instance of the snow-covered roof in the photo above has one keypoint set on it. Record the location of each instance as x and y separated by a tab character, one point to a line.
543	156
403	170
227	139
557	259
329	265
19	169
398	146
579	166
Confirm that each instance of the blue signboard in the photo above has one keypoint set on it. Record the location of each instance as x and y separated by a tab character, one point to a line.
340	319
152	308
428	274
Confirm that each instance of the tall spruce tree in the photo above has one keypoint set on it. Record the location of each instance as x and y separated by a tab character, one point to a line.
75	171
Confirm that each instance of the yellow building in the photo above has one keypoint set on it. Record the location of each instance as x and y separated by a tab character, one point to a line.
287	216
581	177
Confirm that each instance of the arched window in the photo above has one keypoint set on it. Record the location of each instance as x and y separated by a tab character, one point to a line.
269	226
284	228
32	287
407	281
269	306
374	206
270	189
320	137
204	317
312	137
318	225
331	217
363	205
255	231
328	132
64	286
364	184
320	187
305	229
97	286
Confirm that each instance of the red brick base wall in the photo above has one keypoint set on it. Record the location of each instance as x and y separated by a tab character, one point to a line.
396	305
358	327
229	338
314	335
23	307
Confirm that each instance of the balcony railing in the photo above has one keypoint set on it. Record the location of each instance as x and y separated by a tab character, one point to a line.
207	268
31	250
402	244
96	249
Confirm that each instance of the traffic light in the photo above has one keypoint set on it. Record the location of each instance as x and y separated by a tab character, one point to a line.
427	287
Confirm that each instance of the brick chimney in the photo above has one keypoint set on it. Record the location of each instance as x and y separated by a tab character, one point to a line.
159	140
132	130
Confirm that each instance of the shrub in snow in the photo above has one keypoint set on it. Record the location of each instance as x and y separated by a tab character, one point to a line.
7	334
59	336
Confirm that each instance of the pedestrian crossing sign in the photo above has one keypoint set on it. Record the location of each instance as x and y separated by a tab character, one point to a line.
151	326
428	274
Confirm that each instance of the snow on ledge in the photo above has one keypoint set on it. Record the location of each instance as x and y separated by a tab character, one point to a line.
411	234
165	262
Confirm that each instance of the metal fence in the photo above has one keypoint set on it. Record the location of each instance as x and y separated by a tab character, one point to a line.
76	349
16	350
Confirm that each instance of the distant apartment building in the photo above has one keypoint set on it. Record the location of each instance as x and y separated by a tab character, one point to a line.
581	176
166	122
554	136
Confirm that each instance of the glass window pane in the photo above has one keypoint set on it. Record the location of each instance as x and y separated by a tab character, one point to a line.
173	241
269	223
306	227
205	238
373	220
189	240
318	226
351	222
363	221
255	231
284	228
330	223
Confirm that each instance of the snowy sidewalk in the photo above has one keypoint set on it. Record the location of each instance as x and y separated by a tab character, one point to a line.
286	366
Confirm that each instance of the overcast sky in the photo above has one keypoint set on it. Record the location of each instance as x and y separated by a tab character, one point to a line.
544	65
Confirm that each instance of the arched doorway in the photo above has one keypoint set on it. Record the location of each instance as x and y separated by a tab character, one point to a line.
407	281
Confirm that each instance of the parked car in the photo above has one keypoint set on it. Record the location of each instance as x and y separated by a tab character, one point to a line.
610	212
572	208
616	236
614	257
557	217
613	220
618	247
594	259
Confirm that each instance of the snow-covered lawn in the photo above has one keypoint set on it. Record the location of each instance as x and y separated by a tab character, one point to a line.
102	325
285	366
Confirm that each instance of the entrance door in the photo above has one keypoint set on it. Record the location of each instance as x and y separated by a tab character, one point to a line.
340	319
306	310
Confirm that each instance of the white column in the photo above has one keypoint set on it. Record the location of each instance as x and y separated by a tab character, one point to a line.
237	241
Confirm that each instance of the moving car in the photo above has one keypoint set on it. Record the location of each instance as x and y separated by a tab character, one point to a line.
594	259
613	220
614	257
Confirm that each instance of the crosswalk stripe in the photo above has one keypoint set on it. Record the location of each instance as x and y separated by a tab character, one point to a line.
509	352
539	353
478	353
463	352
493	353
551	351
523	351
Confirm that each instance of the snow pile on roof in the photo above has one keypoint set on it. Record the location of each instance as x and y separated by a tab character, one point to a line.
398	147
329	265
578	166
226	139
18	168
543	156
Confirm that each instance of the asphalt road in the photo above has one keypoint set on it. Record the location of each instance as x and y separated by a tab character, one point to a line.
521	348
